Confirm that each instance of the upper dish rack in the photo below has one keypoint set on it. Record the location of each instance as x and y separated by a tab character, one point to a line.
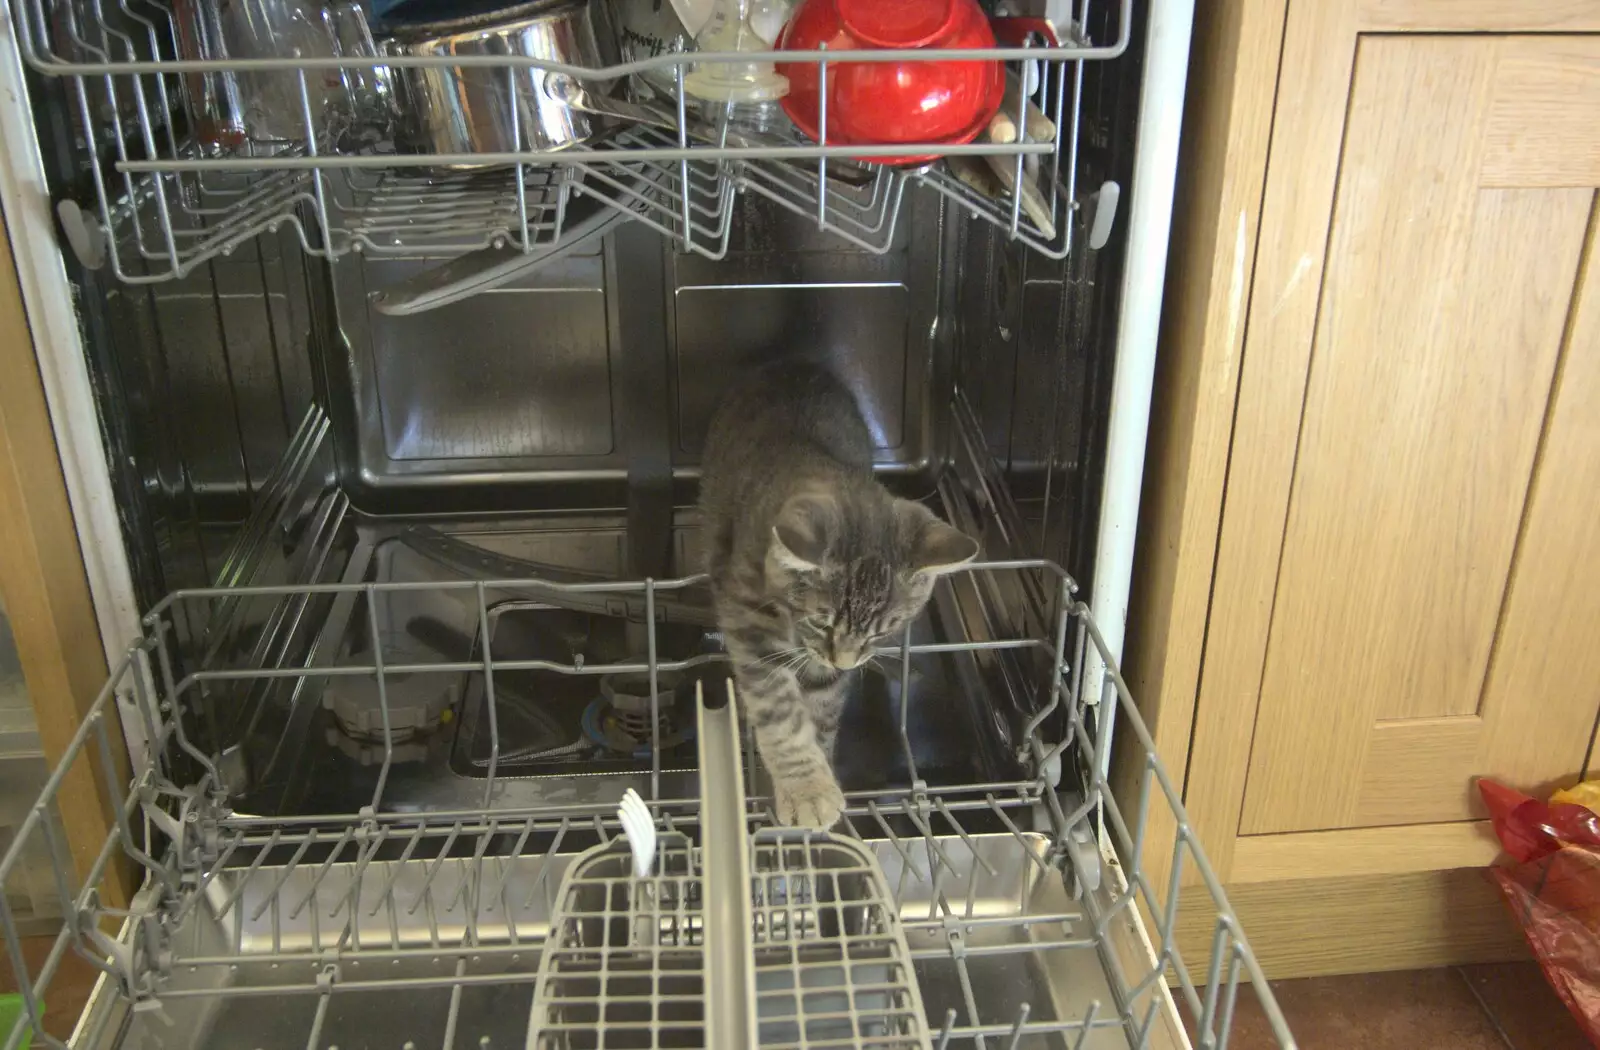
155	203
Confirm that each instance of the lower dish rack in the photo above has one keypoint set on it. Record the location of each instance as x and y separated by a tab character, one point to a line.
1037	910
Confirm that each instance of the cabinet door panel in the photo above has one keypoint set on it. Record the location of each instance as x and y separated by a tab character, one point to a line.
1440	565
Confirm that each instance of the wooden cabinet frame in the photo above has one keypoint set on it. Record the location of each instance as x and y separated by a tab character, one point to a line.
1269	85
46	591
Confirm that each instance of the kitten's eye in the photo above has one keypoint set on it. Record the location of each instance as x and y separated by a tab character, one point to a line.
817	625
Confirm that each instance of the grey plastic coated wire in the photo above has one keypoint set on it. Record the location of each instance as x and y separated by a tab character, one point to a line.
33	19
330	855
163	211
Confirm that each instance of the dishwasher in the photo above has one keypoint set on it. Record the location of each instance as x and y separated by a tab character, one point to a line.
383	453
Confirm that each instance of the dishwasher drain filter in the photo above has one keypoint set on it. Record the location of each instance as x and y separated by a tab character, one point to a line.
624	963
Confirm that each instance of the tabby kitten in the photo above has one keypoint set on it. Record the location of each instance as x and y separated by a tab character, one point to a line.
813	564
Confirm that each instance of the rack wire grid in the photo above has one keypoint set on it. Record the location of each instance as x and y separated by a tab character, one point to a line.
625	958
158	204
1033	908
624	952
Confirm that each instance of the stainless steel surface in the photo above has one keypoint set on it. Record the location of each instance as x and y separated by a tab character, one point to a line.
527	400
493	108
387	922
581	389
424	437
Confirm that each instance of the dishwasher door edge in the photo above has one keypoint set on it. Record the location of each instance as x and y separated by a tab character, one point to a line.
52	317
1161	93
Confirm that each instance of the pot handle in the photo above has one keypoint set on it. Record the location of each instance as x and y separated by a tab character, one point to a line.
1014	31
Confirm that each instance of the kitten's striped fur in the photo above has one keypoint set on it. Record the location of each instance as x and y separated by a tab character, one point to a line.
813	564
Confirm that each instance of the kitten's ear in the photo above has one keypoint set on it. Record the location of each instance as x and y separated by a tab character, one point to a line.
800	538
939	548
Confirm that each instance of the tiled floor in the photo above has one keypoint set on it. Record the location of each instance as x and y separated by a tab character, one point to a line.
1498	1007
68	992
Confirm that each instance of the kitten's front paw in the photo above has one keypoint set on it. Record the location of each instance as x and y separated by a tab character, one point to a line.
814	804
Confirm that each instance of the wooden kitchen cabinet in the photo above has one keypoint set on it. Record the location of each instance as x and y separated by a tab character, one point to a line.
46	599
1434	492
1370	554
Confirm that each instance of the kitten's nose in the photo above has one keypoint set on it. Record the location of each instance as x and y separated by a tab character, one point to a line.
849	659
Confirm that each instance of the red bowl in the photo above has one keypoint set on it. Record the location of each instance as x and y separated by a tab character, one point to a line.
946	102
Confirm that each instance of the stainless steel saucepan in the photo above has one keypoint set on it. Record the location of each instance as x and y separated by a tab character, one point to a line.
500	109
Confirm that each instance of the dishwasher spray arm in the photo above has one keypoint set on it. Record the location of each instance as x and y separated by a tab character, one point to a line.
675	601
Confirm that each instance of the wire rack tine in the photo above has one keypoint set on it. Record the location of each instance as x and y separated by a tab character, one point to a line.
1230	999
523	236
317	1021
1018	176
655	689
375	639
683	164
486	639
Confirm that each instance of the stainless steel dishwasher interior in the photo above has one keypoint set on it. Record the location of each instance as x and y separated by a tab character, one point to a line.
278	430
552	428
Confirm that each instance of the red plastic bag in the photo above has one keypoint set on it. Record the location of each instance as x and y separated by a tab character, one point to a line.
1530	829
1553	891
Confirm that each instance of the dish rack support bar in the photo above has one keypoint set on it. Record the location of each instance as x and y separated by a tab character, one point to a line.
725	862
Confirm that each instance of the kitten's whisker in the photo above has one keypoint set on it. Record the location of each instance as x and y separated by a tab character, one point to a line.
779	655
787	661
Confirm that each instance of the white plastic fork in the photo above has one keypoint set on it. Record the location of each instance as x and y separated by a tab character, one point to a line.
640	828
